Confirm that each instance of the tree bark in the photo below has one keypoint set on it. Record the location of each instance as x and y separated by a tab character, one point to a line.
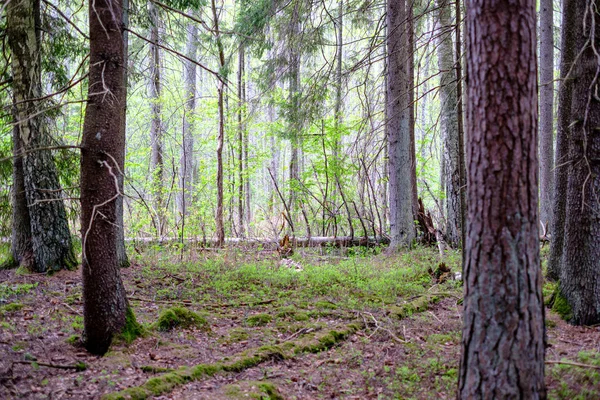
241	129
104	300
156	134
220	227
565	94
46	244
294	115
449	124
398	121
580	272
503	332
186	166
546	110
121	250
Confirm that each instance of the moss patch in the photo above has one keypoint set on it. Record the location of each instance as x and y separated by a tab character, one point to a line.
561	306
174	317
11	307
258	319
132	329
253	390
419	304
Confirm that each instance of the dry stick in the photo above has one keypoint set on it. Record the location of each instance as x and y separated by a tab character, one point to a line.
575	364
287	210
43	364
361	220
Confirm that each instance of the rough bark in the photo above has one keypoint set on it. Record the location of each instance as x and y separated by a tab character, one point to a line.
398	121
503	332
580	272
449	124
46	245
156	134
546	110
565	94
186	166
460	127
103	146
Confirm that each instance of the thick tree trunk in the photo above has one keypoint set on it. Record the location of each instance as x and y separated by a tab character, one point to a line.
503	331
449	124
104	300
398	120
565	94
186	160
156	134
546	110
580	272
37	188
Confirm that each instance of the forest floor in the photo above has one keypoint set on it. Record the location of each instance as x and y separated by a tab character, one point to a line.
360	327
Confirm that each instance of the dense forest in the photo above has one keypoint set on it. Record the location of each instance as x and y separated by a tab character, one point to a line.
299	199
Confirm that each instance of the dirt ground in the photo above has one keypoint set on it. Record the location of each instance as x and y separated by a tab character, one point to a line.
389	357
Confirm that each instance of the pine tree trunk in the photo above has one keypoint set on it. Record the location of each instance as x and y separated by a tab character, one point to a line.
156	134
449	124
240	160
186	159
46	245
546	110
398	121
580	272
503	328
565	95
104	300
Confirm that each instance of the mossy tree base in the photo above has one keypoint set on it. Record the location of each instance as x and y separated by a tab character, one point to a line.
165	383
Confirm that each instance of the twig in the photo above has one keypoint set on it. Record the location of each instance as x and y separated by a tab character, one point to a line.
78	367
575	364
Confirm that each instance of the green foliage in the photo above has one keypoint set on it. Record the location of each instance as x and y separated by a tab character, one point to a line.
561	305
180	317
9	290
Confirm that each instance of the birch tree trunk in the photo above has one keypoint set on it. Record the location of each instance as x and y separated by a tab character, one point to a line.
46	244
398	121
503	329
186	158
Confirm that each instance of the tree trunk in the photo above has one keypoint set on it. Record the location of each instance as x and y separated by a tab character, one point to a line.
220	228
460	128
121	250
186	159
156	134
241	129
503	331
104	300
46	244
449	124
410	68
294	118
565	95
398	120
580	272
546	110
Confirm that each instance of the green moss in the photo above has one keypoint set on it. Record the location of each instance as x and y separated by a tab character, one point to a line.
548	291
165	383
550	323
9	263
270	390
237	335
180	317
301	316
325	304
561	306
155	370
11	307
74	340
420	304
132	329
286	311
258	319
